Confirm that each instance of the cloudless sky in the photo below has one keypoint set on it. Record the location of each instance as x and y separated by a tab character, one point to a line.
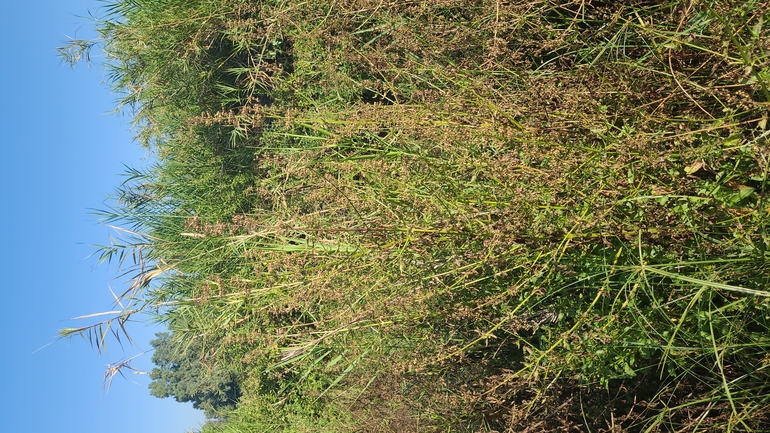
63	154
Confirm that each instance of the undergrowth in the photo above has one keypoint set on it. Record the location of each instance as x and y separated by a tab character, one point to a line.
452	215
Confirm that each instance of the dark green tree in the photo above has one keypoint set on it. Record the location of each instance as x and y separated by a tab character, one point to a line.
183	372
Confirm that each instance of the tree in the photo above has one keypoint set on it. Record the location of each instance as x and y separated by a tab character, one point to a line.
182	372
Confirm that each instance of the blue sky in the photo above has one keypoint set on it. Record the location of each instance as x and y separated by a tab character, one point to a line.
63	154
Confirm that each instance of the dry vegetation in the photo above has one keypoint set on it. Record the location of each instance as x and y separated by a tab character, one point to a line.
453	215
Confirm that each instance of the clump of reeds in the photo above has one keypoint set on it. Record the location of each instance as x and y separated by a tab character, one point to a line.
455	216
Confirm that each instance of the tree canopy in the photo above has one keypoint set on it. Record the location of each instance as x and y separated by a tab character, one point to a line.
183	373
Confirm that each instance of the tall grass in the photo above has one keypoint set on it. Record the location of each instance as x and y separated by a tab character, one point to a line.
452	215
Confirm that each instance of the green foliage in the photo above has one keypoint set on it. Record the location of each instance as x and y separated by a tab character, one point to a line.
187	372
450	215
